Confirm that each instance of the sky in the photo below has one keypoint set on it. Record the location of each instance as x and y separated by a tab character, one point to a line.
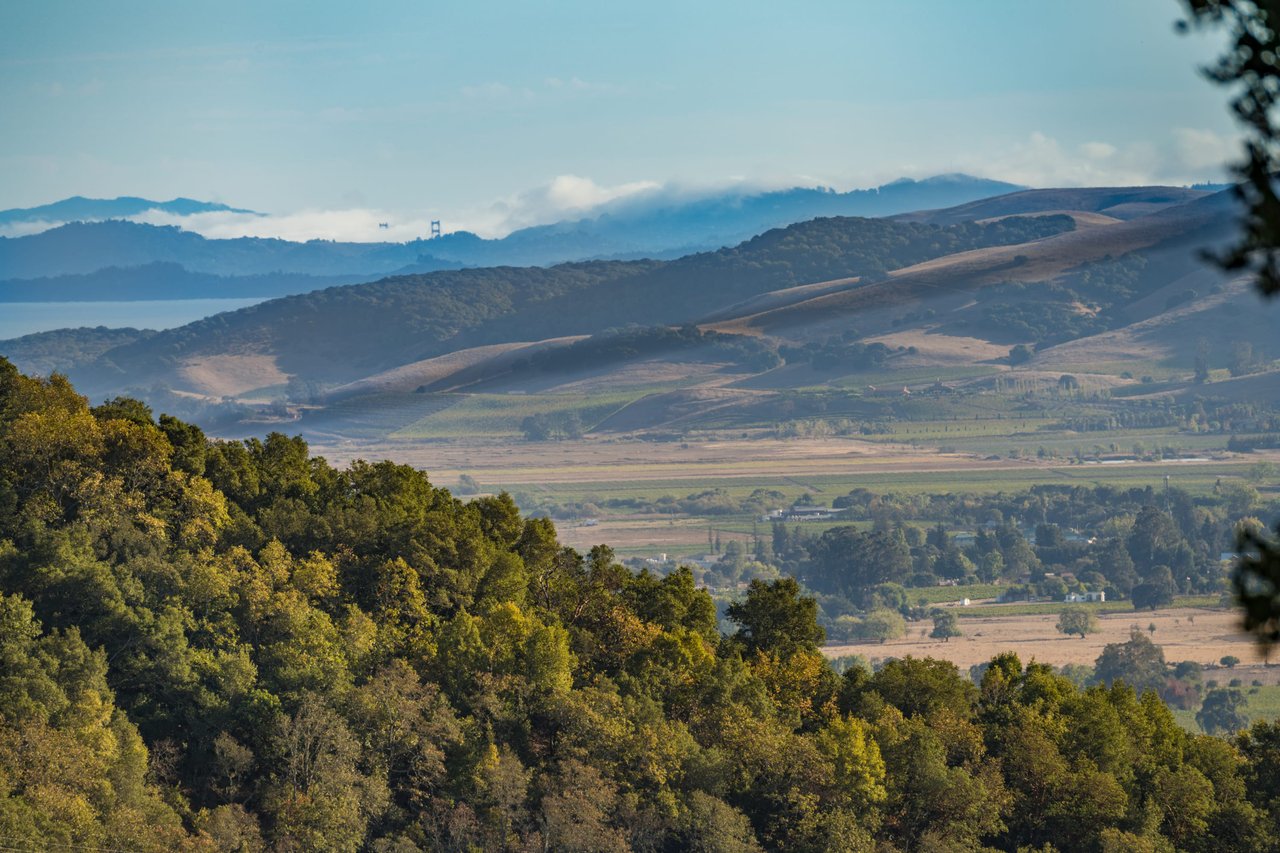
333	116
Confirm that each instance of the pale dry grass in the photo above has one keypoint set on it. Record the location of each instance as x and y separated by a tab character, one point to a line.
639	374
595	460
679	536
1083	218
1037	261
231	375
943	349
1194	634
408	377
609	460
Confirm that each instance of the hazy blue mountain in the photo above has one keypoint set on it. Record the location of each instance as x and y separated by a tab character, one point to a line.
659	225
85	247
167	280
78	209
669	225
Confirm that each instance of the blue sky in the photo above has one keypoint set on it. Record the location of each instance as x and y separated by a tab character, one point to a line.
480	112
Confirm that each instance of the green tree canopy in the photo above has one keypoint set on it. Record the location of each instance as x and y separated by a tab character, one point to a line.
775	617
1077	620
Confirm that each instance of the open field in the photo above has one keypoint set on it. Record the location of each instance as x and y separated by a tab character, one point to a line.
643	536
1053	608
608	464
595	471
1186	633
232	374
501	414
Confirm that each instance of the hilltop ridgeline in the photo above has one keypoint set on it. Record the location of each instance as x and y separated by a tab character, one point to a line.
344	333
656	224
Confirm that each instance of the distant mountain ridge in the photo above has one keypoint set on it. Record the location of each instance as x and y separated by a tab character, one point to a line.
670	226
664	225
80	248
81	209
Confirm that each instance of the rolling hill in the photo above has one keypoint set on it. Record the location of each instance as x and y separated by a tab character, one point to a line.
341	334
79	248
815	320
1179	229
1113	202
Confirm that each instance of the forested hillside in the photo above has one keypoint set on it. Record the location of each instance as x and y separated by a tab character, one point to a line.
345	333
235	646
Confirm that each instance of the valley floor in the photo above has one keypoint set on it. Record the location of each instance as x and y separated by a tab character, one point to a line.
575	481
1203	635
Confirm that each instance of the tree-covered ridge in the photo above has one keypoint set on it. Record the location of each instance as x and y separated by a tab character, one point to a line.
615	345
236	646
348	332
61	350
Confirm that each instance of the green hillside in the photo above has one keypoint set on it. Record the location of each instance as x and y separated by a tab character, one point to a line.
345	333
236	646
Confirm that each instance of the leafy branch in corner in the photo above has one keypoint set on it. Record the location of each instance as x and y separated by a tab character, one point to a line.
1251	68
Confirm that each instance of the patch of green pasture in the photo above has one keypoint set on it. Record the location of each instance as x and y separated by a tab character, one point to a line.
375	416
744	525
944	594
1139	367
1048	608
913	376
1198	478
951	430
1186	720
1262	703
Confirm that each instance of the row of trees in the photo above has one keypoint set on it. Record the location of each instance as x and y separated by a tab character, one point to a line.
1137	543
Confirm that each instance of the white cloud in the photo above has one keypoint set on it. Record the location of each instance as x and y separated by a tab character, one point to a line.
1098	150
552	88
349	225
1204	150
565	197
22	229
495	91
487	90
577	84
1040	160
